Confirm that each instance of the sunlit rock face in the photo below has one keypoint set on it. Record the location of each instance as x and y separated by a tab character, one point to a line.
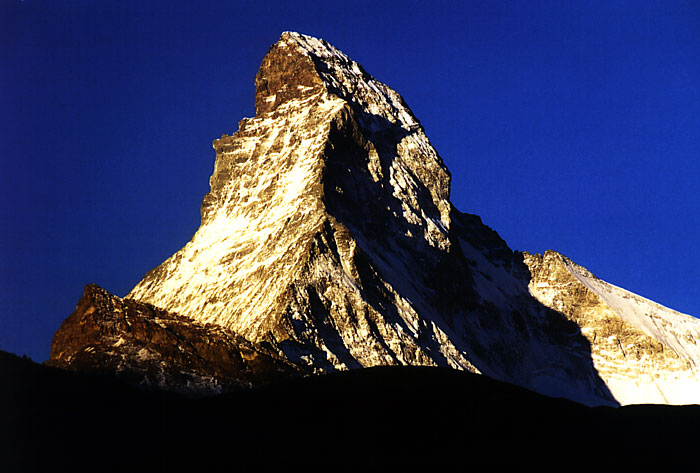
646	353
328	242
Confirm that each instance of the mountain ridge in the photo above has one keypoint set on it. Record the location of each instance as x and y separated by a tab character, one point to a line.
329	238
655	345
148	346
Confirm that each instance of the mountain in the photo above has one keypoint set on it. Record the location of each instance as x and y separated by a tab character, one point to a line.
328	242
391	418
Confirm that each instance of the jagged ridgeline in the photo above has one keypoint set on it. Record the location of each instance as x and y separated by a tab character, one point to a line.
328	242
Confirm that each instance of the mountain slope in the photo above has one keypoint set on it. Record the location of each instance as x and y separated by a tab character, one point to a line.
328	242
645	352
328	233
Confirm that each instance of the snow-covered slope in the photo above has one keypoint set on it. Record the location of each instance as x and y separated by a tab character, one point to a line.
645	352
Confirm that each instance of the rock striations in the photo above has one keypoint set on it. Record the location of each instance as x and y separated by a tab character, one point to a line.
328	242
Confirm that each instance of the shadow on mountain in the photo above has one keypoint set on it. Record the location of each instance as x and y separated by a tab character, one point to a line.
507	334
565	366
374	419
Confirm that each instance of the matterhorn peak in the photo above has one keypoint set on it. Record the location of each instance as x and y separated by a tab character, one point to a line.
328	235
291	181
328	242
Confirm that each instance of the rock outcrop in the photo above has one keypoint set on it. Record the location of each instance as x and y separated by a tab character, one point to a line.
151	347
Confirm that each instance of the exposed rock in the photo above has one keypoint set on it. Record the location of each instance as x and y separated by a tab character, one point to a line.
151	347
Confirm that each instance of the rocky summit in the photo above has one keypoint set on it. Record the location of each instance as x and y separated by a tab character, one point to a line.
328	242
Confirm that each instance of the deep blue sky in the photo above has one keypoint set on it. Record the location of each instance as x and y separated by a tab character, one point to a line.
573	126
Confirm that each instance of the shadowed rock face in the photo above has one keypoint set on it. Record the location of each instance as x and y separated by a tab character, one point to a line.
329	238
151	347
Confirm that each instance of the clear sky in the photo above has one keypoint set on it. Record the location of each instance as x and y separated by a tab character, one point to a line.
572	126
